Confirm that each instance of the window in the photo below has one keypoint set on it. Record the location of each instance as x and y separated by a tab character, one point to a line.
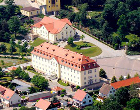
95	70
37	12
89	100
89	71
84	78
84	72
95	75
110	91
66	27
85	83
31	13
84	102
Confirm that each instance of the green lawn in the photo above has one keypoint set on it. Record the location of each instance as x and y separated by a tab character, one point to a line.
94	13
37	42
1	1
34	72
8	46
61	83
6	78
10	62
91	52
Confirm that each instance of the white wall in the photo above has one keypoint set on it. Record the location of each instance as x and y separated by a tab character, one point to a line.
15	99
88	99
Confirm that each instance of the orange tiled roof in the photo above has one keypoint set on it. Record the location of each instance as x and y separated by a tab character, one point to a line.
6	93
54	26
79	95
126	82
43	104
12	68
57	88
65	57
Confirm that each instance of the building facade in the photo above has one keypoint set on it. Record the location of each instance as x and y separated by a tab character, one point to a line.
69	66
54	30
30	11
47	6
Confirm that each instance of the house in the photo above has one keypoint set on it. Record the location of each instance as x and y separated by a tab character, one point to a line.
57	89
82	99
44	105
12	68
71	67
9	97
125	83
48	6
53	30
30	11
39	95
105	91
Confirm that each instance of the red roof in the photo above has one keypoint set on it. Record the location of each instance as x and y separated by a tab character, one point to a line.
6	93
65	57
57	88
12	68
126	82
79	95
54	26
43	104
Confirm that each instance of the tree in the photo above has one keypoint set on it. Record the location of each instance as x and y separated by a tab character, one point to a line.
23	31
88	108
9	2
14	24
3	48
12	49
133	91
133	104
54	99
122	95
82	37
62	95
111	105
102	73
136	75
2	62
121	78
0	68
128	76
70	41
40	82
114	79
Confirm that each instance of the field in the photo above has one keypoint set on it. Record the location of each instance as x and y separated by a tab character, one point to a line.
37	42
91	52
10	62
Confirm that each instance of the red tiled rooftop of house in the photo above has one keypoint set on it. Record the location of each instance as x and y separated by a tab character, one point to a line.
79	95
12	68
7	93
57	88
64	57
126	82
54	26
43	104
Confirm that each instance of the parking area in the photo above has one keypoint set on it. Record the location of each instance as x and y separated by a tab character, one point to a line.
118	66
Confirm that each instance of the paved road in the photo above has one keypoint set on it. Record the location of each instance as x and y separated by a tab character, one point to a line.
118	66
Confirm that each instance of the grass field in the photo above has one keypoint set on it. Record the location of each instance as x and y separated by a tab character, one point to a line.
61	83
10	62
8	46
91	52
37	42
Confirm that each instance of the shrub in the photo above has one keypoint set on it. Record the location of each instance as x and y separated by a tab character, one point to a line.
63	90
84	89
62	95
78	47
77	87
19	105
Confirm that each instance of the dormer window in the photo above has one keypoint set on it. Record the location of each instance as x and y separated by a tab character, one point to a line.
66	54
94	64
72	56
50	55
79	59
75	65
53	50
37	51
65	61
62	60
71	64
89	65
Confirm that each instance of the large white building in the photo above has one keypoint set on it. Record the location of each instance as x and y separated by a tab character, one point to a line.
54	30
70	66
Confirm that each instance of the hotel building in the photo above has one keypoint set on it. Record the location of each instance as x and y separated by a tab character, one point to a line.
69	66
